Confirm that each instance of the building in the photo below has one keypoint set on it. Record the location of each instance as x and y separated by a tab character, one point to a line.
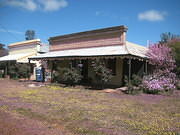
108	44
19	52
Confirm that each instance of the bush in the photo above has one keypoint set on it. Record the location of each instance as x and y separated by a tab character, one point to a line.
158	83
1	74
103	74
162	78
67	75
24	70
134	86
19	71
136	80
178	84
13	71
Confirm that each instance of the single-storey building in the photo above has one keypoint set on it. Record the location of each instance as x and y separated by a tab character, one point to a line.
107	44
19	52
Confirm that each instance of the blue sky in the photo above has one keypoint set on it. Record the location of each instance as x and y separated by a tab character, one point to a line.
145	19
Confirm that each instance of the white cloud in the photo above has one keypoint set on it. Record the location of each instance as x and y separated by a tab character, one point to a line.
33	5
26	4
152	15
11	31
53	5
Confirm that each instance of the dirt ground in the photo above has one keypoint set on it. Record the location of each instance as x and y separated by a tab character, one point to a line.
27	109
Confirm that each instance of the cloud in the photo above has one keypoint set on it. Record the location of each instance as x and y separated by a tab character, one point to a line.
11	31
33	5
26	4
152	15
53	5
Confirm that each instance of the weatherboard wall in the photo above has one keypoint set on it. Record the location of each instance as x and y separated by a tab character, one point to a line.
105	37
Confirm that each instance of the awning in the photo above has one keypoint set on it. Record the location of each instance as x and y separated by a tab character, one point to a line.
129	49
21	58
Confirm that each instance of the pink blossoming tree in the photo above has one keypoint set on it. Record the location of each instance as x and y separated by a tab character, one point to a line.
162	78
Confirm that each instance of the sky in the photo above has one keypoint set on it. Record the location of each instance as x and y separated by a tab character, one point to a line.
145	19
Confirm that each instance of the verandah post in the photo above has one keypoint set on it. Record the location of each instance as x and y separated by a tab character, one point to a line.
129	76
6	68
29	64
146	64
52	68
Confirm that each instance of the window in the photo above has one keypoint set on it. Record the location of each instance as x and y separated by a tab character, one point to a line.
73	63
111	64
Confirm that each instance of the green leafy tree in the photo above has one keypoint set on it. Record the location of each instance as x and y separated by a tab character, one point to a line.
30	34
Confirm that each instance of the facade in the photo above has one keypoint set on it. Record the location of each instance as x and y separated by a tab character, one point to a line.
20	52
108	44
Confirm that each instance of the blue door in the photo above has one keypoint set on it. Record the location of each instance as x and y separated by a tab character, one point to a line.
39	75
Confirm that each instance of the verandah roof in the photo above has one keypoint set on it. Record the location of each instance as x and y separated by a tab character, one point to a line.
21	58
121	50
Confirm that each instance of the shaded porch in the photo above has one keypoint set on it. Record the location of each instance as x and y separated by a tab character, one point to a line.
120	66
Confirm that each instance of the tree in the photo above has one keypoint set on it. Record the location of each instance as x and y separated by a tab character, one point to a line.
30	34
173	41
3	51
166	37
163	78
175	46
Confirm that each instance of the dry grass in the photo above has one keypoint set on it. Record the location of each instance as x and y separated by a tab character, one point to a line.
88	112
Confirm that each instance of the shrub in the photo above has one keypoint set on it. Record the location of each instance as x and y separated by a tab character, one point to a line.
103	74
178	84
136	80
1	73
155	84
134	86
19	70
24	70
162	78
68	75
13	71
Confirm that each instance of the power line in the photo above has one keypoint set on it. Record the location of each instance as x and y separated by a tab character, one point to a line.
4	28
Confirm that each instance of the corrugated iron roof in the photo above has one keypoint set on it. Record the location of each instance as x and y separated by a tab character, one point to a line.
22	58
128	49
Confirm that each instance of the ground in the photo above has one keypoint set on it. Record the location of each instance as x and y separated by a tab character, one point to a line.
55	110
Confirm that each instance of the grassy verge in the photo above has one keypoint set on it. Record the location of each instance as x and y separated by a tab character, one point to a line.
96	113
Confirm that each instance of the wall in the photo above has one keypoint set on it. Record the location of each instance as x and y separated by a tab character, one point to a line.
104	39
23	49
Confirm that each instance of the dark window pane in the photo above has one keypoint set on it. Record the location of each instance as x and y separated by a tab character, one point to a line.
111	64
